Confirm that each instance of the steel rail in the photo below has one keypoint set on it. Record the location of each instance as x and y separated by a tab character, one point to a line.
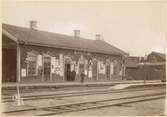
8	92
51	96
54	110
99	105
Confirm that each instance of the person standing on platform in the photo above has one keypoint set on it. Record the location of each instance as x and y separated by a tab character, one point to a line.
82	75
73	75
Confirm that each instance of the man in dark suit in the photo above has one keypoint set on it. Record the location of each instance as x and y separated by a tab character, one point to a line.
73	75
82	75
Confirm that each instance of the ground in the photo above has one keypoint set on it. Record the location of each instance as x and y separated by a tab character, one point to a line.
147	108
73	95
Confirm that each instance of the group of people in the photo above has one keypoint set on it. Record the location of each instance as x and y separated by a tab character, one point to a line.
82	75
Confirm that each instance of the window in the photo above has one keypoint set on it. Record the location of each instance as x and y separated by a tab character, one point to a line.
31	65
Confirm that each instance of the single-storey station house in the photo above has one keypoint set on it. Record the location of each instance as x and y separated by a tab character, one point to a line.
33	55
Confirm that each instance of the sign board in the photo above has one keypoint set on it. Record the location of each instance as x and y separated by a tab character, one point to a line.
23	72
111	68
39	60
90	72
61	57
101	67
53	62
56	66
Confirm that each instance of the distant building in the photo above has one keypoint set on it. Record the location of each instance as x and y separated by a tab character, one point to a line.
132	61
151	69
32	55
155	57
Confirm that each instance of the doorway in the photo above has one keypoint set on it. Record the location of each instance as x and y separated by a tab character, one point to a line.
47	68
108	72
8	65
68	72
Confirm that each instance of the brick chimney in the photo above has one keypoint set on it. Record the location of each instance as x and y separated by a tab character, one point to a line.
77	33
98	37
33	24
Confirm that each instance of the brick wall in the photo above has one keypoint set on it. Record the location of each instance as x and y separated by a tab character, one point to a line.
73	55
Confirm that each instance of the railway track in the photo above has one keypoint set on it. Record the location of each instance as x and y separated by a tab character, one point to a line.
82	93
8	92
60	109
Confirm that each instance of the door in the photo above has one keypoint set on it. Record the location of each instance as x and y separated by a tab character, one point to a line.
9	65
47	68
94	71
108	72
68	72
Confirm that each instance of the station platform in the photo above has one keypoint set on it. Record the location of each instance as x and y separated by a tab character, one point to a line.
74	84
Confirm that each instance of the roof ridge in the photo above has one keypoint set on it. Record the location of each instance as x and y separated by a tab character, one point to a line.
72	37
45	38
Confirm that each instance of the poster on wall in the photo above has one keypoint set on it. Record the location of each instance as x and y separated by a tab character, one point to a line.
90	72
72	67
121	72
81	60
39	60
61	57
101	67
55	65
39	64
77	69
61	72
57	70
53	62
23	72
86	67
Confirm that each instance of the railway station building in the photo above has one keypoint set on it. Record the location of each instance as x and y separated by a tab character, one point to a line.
32	55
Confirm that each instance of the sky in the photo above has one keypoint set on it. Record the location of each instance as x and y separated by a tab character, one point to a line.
136	27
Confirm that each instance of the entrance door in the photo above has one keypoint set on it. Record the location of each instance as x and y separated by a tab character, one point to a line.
9	62
94	71
68	72
8	65
47	68
108	71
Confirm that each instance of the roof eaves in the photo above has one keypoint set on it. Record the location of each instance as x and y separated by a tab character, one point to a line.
69	48
9	35
122	52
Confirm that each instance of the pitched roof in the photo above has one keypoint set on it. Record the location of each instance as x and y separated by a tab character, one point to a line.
161	55
43	38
